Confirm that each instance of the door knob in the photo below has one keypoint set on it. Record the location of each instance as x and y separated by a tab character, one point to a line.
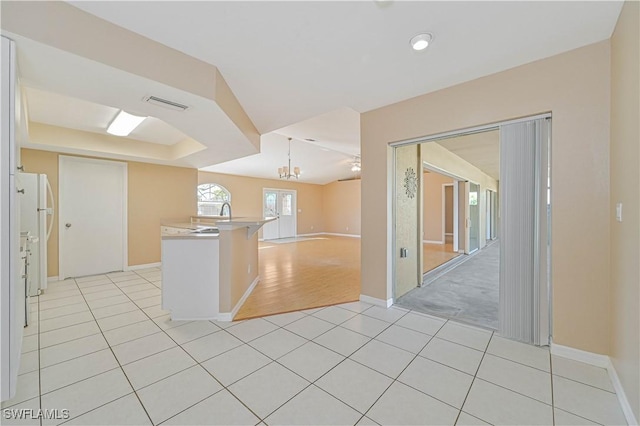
67	225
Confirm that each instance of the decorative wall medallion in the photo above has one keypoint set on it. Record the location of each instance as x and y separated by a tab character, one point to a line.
410	182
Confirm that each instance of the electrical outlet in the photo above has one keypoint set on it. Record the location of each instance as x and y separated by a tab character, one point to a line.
312	227
249	269
347	228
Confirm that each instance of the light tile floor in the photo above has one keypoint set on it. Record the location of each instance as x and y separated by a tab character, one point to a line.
102	348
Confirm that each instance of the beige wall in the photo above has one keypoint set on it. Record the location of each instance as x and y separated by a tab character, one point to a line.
433	207
154	193
246	197
625	188
238	266
574	86
341	207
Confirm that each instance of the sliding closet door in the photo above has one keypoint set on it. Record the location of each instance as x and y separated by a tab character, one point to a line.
524	279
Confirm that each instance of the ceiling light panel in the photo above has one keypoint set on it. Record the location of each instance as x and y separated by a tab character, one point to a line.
124	123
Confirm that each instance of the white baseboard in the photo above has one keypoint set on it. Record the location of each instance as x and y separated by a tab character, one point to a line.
375	301
432	242
228	316
598	360
144	266
53	279
342	235
602	361
315	234
622	396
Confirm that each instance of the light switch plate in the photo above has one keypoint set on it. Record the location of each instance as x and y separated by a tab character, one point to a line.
619	212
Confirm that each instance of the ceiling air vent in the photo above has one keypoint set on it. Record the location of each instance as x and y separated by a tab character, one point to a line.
153	100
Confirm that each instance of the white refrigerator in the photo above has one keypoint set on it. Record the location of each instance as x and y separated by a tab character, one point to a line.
36	218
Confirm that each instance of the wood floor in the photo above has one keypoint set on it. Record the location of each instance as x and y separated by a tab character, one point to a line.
306	274
435	255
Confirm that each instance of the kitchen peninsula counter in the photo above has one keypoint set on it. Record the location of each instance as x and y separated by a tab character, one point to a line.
209	266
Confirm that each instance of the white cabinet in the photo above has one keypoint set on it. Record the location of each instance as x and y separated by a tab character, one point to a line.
190	277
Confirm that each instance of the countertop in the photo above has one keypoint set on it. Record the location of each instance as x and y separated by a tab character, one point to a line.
202	223
195	230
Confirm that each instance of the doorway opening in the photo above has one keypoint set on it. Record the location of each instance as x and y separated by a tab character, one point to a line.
439	218
503	280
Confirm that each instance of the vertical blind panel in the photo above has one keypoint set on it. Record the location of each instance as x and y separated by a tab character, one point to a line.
519	188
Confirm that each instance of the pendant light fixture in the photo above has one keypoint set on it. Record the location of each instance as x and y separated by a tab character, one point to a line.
285	172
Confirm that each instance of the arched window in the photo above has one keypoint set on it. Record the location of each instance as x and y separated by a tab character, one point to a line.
211	196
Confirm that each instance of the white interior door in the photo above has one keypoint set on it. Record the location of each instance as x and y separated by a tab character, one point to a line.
92	216
280	204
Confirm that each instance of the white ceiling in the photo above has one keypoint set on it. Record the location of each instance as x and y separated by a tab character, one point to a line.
73	113
318	165
292	60
301	69
480	149
336	141
57	72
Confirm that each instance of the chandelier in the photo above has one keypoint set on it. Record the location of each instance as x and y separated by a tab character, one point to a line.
285	171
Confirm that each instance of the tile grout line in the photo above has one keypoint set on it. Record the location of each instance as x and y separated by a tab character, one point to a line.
474	379
278	327
394	380
307	340
198	364
39	362
121	369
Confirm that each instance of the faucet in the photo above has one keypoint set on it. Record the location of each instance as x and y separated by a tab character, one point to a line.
222	209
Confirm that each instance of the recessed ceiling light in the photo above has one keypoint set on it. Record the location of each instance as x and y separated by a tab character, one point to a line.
421	41
124	123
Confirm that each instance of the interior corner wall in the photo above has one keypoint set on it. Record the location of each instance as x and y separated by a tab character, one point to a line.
341	207
246	198
575	87
155	193
433	219
625	189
